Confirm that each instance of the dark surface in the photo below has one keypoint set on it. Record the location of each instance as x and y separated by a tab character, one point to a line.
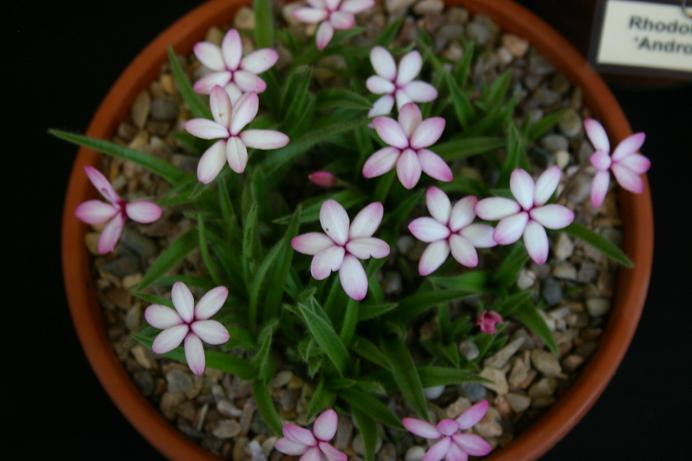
66	56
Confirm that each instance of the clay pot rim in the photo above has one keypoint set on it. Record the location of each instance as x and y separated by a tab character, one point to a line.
636	212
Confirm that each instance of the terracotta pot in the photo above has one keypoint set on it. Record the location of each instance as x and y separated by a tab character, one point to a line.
542	435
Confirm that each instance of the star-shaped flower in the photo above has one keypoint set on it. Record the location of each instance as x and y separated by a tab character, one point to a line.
626	163
487	322
312	445
228	126
331	15
528	214
450	228
408	140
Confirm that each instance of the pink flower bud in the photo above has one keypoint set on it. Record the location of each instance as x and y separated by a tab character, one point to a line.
323	179
487	322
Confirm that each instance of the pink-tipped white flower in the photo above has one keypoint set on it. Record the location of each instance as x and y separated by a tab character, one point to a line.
487	322
323	179
189	322
331	15
343	244
408	140
228	126
453	441
230	69
450	228
312	445
397	83
626	163
114	213
527	215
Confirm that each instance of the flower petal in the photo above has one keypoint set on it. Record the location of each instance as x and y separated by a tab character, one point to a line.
161	317
391	132
409	67
409	118
353	279
310	15
264	139
205	84
636	162
259	60
628	146
428	229
244	112
600	160
495	208
313	454
297	434
439	450
99	181
509	229
367	221
463	251
536	242
546	185
420	91
408	169
381	162
236	154
169	339
455	453
249	82
194	354
522	187
327	261
473	444
420	428
480	235
183	301
331	452
95	212
627	178
382	106
334	221
356	6
367	247
438	204
553	216
332	4
289	447
463	213
234	93
325	425
428	132
232	49
401	98
110	234
434	255
342	20
211	303
472	415
205	129
220	105
311	243
434	166
379	85
324	35
211	163
209	55
599	188
383	63
597	134
143	211
210	331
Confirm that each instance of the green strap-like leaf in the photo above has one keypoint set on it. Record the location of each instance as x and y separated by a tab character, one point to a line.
368	432
528	314
542	126
279	275
508	271
198	107
157	166
416	304
369	351
209	263
475	281
264	23
325	336
364	402
321	399
432	376
266	407
601	244
249	236
369	312
257	282
467	147
405	374
348	326
170	258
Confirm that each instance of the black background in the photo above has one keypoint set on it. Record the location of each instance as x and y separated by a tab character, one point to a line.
64	58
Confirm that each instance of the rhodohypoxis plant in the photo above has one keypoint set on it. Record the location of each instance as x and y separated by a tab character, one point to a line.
389	324
331	15
114	213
